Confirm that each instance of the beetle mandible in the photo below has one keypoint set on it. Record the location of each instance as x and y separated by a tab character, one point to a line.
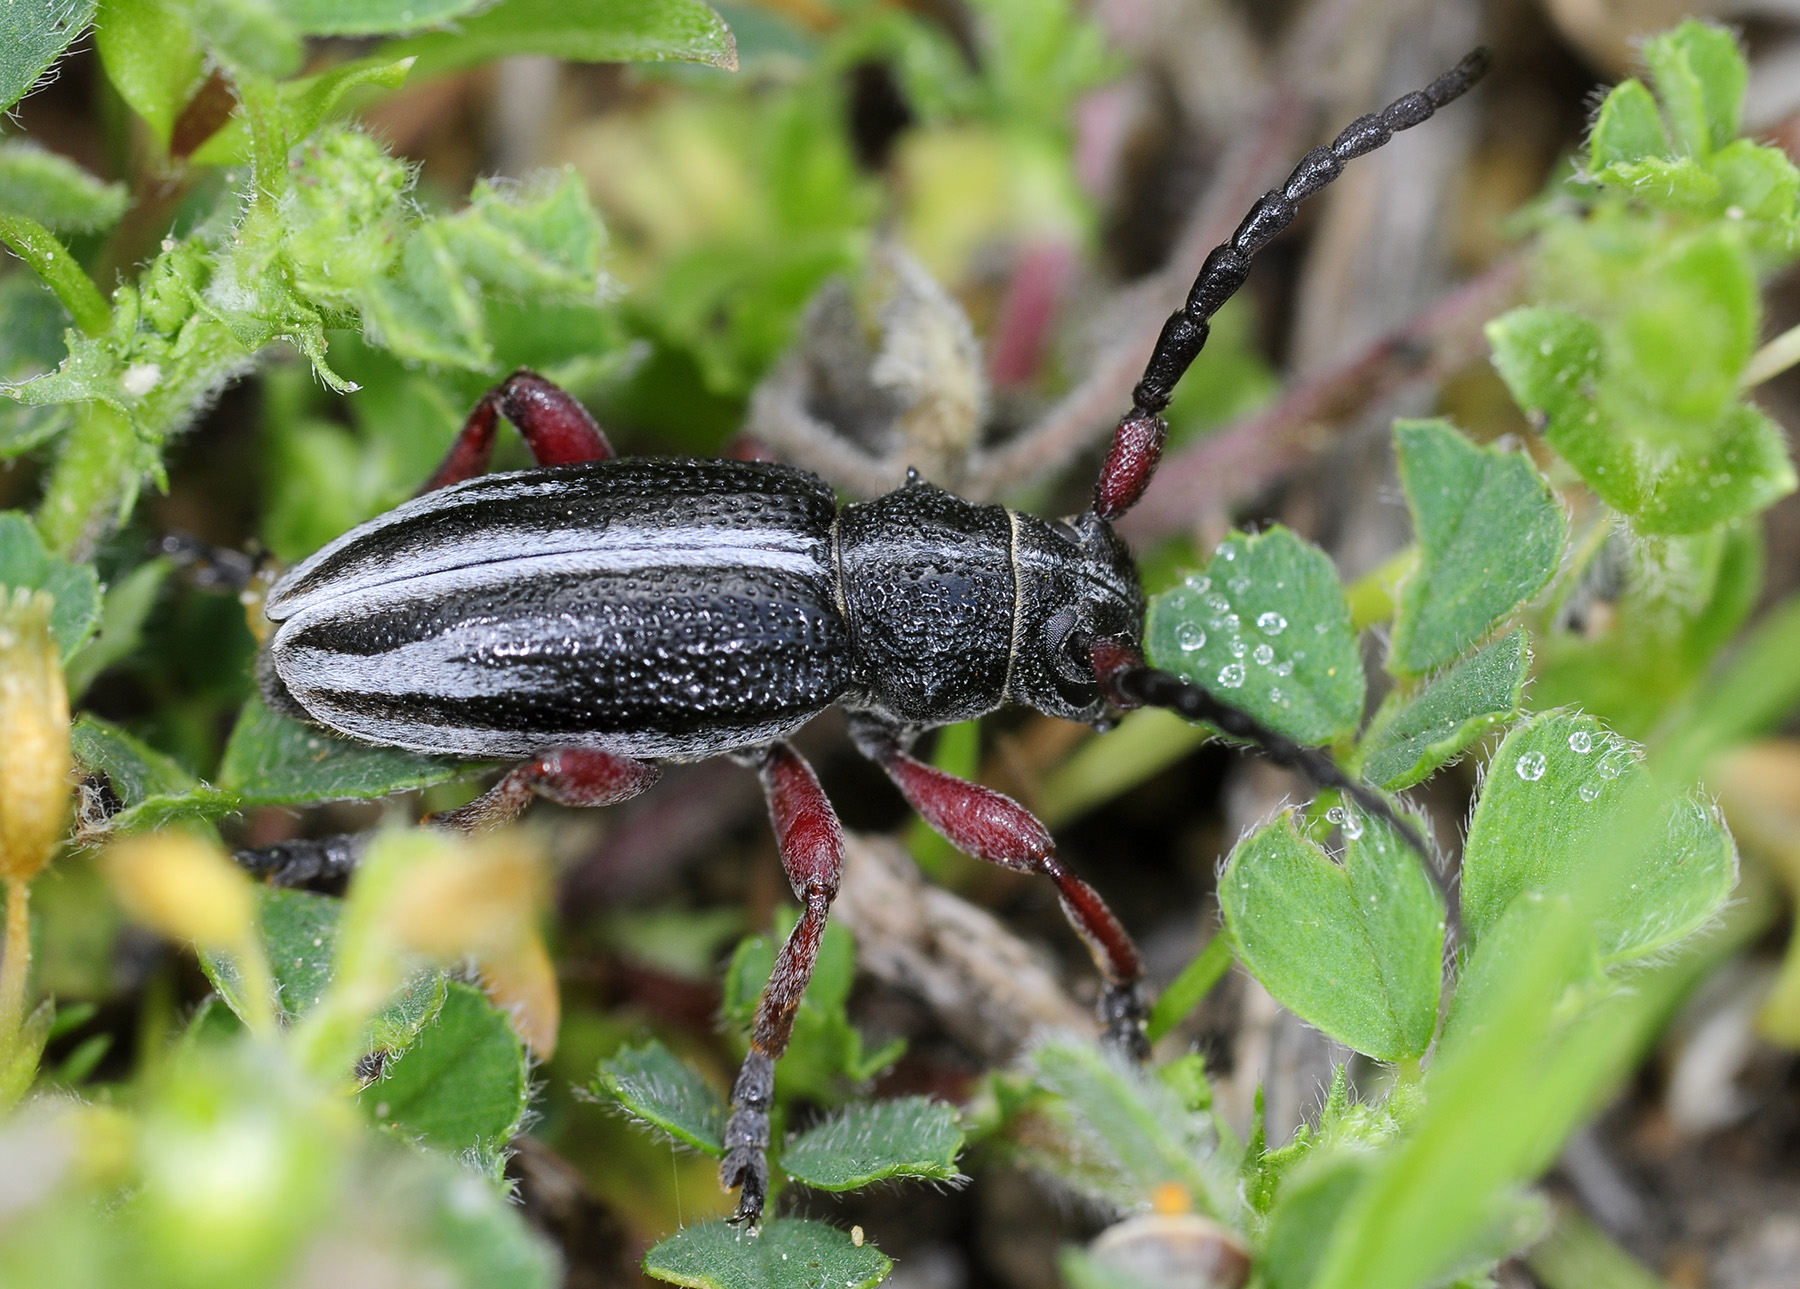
597	614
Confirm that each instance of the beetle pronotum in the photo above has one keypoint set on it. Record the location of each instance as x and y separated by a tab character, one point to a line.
595	614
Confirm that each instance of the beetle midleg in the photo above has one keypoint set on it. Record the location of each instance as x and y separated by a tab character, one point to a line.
569	776
812	852
552	421
995	828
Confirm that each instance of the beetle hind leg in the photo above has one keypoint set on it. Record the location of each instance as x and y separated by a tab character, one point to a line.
812	852
995	828
569	776
552	421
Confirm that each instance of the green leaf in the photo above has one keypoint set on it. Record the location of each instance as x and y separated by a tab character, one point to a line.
788	1253
1700	76
542	240
305	103
1186	991
33	35
152	57
273	759
660	1089
299	934
31	344
463	1085
589	31
1628	128
24	562
1490	535
1681	333
1267	628
875	1141
1559	787
122	615
1305	1214
1355	949
424	1211
153	788
1439	725
55	191
1132	1130
370	17
249	39
51	261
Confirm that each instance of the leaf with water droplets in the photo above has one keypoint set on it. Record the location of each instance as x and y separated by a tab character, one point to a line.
1355	949
912	1137
1557	788
657	1087
787	1253
1267	629
1440	724
1490	534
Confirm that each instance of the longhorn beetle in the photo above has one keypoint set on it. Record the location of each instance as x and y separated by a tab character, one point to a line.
595	614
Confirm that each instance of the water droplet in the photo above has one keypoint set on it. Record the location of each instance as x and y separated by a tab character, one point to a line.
1190	636
1238	648
1263	655
1283	669
1319	628
1272	622
1228	552
1609	767
1530	766
1588	791
1352	825
1198	584
1231	676
1581	741
1276	696
1238	585
1546	348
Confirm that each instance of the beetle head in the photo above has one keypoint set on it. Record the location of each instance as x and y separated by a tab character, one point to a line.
1077	585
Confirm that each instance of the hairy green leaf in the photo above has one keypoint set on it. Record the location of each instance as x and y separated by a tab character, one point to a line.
251	39
31	344
787	1253
659	1088
1439	725
273	759
134	770
152	57
1559	787
305	103
1700	76
123	612
1490	535
590	31
33	35
1132	1131
1628	128
55	191
462	1085
24	562
60	271
1354	949
1267	628
913	1137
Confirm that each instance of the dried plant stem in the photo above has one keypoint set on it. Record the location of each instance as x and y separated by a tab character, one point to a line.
16	965
1773	358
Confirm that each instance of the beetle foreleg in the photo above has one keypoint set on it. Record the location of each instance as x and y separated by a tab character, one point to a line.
552	421
812	852
995	828
569	776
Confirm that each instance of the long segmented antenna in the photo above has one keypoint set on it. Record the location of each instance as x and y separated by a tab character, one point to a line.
1138	441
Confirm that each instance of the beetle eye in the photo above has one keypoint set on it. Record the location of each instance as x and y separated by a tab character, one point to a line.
1069	647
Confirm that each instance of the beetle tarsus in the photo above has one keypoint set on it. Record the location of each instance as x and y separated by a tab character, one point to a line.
1123	1010
746	1164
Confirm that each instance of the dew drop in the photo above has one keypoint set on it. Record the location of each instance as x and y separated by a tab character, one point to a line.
1238	648
1228	552
1588	791
1609	767
1272	622
1190	636
1263	655
1283	669
1276	696
1231	676
1581	741
1530	767
1238	585
1198	584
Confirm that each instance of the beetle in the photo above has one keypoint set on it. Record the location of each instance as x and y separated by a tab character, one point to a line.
594	615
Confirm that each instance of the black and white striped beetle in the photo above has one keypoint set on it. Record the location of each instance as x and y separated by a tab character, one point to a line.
597	613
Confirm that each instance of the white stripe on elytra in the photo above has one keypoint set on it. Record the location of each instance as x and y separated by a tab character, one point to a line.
517	554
